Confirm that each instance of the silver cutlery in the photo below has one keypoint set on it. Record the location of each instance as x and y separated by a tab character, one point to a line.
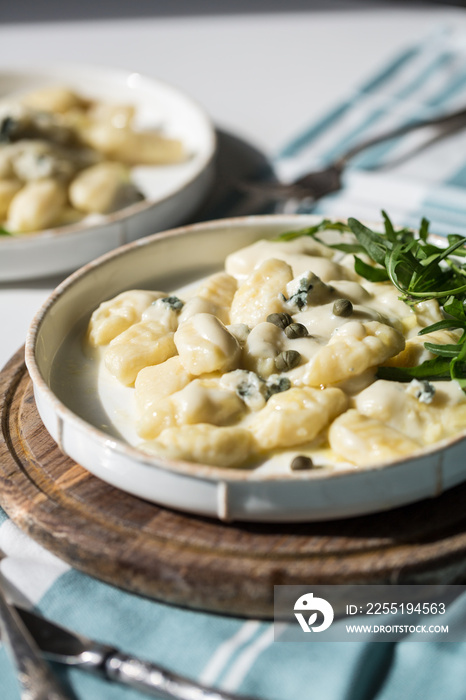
314	185
66	647
34	675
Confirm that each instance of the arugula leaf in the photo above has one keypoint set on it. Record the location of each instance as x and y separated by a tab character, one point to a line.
323	225
343	247
402	266
373	274
446	350
373	243
389	229
452	238
437	369
455	307
442	325
424	230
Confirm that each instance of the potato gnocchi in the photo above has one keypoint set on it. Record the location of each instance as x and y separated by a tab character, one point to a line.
274	358
64	157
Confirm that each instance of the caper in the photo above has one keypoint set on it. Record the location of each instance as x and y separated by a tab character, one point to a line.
282	320
276	384
301	462
342	307
287	360
296	330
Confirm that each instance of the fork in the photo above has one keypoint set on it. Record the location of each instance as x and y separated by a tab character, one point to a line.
317	184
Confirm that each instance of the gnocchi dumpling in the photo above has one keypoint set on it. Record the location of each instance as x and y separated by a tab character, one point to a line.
9	187
198	402
166	310
353	348
296	416
259	295
262	346
427	312
120	116
296	253
132	147
414	352
227	447
142	344
116	315
205	345
37	205
200	305
156	382
403	408
364	440
103	188
54	98
219	288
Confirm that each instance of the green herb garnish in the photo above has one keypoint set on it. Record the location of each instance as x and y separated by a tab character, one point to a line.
4	232
324	225
420	270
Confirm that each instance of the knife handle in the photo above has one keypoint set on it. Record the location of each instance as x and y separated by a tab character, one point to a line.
155	680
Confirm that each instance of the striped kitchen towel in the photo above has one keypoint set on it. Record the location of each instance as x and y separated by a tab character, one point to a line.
241	655
406	177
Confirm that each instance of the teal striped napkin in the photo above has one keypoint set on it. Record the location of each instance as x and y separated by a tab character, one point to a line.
240	655
425	81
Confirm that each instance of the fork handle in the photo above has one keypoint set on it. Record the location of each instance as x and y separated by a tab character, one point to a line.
449	123
33	673
155	680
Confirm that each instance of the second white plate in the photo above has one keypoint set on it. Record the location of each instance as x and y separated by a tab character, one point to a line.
173	192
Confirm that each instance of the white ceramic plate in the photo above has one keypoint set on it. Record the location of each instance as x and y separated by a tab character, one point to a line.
172	192
162	262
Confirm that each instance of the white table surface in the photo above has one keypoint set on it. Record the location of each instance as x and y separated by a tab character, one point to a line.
262	77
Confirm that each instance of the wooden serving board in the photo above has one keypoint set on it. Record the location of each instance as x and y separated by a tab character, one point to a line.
199	562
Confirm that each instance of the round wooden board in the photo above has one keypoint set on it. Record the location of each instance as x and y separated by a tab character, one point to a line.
198	562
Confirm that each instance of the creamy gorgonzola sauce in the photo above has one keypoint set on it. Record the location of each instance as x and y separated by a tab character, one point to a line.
271	365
